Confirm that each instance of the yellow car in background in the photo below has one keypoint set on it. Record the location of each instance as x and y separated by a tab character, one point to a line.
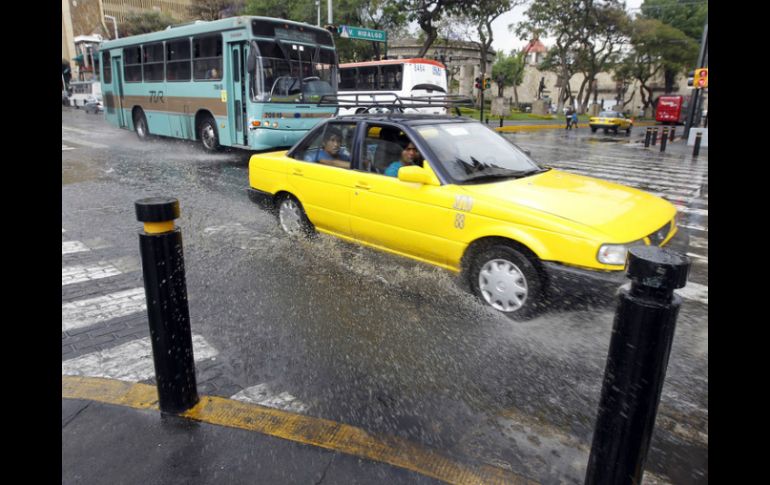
610	120
450	192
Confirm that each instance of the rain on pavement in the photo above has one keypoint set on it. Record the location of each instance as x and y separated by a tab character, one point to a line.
345	333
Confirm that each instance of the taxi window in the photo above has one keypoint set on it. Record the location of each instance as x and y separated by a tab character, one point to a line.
383	147
332	145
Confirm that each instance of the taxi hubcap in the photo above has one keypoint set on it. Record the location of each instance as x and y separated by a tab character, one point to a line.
503	285
290	218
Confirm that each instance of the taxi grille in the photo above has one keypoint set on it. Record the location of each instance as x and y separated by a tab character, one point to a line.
659	236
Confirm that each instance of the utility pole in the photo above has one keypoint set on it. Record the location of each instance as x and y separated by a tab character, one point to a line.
318	6
330	11
703	61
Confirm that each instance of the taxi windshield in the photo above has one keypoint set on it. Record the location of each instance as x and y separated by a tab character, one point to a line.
472	153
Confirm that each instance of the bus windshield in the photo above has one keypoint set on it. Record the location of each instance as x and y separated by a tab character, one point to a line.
293	73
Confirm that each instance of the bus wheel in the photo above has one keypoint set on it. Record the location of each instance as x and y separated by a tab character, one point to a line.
208	135
140	125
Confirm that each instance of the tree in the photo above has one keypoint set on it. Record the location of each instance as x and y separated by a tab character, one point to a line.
215	9
482	14
508	70
605	28
373	14
562	20
143	23
427	14
686	16
656	47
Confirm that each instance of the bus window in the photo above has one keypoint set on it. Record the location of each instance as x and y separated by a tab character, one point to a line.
348	79
178	60
207	58
133	64
367	78
106	68
152	63
391	77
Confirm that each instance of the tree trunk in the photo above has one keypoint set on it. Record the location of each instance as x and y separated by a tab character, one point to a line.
516	96
432	36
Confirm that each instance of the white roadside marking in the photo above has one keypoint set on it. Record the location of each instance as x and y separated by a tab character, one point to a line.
70	247
698	242
79	273
694	227
264	396
65	147
82	313
128	362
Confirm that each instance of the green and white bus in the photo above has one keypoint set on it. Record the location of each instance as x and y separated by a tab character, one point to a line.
247	82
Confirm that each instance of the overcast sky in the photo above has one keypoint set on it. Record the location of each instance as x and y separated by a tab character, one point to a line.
504	40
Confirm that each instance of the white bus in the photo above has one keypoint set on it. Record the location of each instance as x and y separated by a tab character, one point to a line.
404	77
83	91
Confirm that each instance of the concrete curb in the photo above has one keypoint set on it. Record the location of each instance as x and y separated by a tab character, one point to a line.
554	126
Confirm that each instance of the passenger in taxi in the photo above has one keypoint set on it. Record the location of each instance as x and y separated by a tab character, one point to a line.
409	156
330	152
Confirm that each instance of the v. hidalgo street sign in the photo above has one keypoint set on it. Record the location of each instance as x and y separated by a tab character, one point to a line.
349	32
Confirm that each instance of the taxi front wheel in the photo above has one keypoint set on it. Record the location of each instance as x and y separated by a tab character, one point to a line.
508	281
292	217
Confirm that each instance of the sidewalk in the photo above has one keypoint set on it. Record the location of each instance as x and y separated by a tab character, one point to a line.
113	432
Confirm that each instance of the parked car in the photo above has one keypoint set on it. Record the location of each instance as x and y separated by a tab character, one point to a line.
610	120
94	105
464	199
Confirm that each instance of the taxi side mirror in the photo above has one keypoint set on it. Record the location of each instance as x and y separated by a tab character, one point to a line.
415	174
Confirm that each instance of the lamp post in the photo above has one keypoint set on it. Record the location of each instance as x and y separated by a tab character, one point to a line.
114	24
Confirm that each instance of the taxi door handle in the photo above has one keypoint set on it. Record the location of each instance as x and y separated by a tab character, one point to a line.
362	185
297	171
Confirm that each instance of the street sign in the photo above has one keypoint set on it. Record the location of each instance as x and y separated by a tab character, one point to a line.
348	32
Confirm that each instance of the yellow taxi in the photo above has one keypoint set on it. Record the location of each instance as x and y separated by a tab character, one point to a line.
450	192
610	120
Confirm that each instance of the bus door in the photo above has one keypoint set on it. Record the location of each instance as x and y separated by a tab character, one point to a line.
235	99
117	90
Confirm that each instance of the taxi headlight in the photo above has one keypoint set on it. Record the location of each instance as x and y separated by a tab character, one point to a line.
615	253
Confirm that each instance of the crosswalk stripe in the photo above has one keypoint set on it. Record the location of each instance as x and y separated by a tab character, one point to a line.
80	273
65	148
131	361
83	313
263	395
70	247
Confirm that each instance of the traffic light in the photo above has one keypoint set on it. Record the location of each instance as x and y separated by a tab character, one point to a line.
487	83
478	83
701	78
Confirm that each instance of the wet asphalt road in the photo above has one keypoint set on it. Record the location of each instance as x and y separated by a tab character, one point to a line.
387	344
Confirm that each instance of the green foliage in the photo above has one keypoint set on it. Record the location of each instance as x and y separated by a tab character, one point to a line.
508	70
370	14
689	16
143	23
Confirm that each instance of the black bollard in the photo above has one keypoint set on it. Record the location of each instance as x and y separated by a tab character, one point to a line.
654	136
647	136
664	139
696	147
166	291
673	128
642	333
501	122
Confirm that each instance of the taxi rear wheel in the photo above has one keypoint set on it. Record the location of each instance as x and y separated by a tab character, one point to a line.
292	217
508	281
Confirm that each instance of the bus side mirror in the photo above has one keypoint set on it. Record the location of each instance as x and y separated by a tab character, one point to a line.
251	61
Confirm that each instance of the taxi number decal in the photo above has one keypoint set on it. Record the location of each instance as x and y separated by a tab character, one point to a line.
459	221
463	203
